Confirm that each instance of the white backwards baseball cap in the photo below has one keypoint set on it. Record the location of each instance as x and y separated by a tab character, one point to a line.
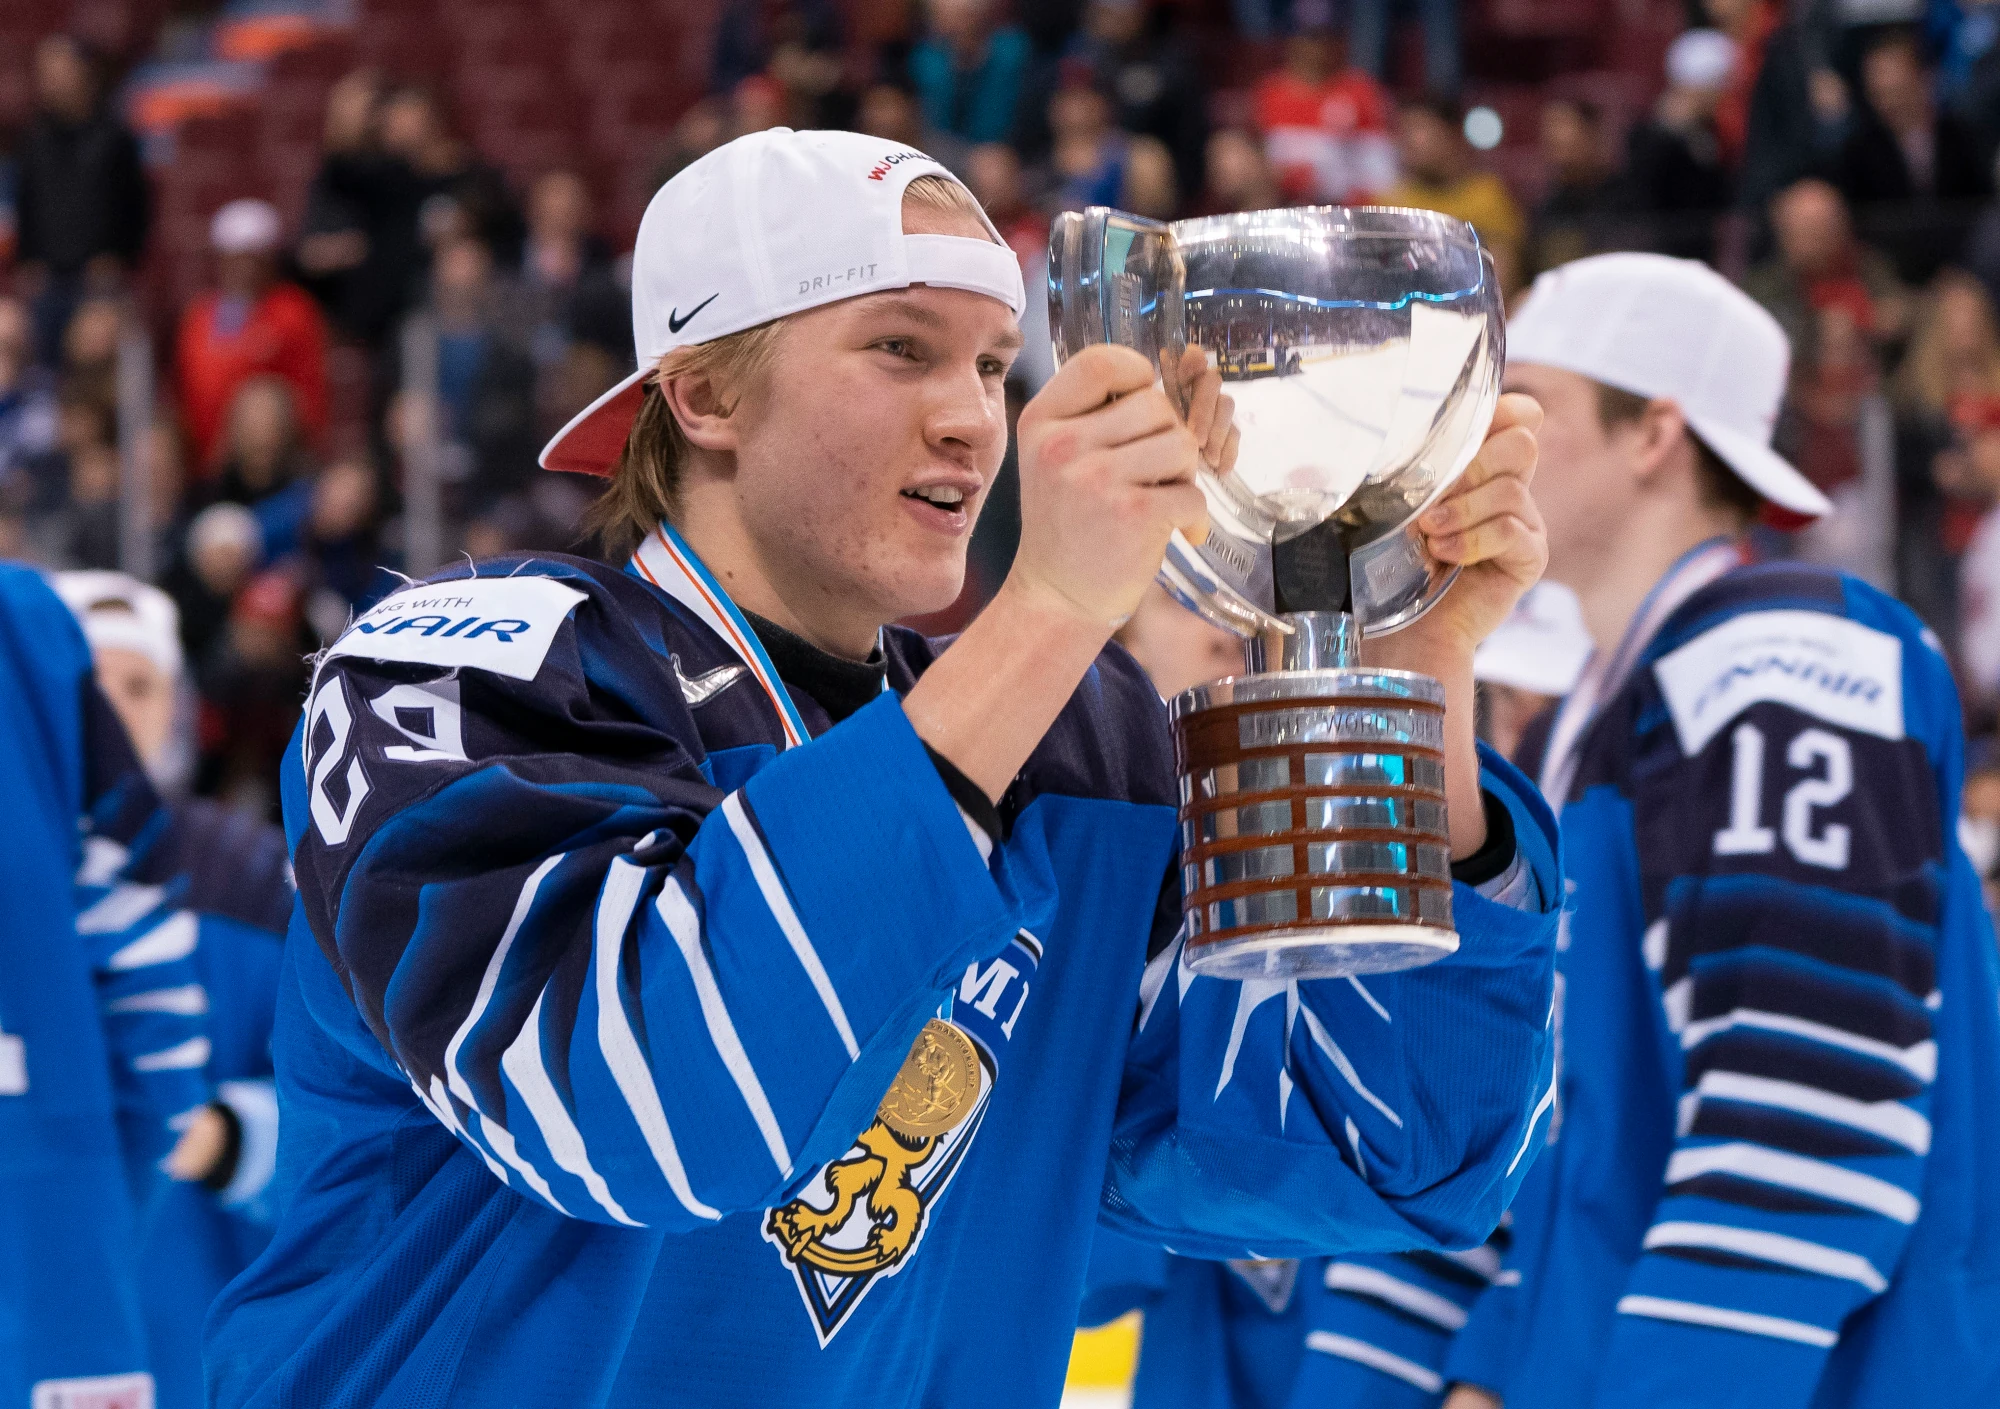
771	224
123	613
1701	58
1675	329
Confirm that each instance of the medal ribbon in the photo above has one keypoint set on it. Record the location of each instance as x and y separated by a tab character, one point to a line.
666	561
1604	676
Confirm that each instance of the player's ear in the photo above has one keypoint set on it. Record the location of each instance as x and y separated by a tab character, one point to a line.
1661	430
704	409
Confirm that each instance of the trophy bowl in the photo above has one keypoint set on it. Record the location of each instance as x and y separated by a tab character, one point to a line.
1363	350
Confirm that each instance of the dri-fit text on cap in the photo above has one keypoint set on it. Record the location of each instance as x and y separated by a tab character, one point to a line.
835	280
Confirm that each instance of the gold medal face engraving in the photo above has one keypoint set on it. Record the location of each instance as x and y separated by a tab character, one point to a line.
937	1085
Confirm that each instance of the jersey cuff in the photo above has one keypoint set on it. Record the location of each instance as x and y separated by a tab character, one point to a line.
1497	854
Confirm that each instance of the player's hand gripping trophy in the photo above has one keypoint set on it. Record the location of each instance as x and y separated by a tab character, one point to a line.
1363	350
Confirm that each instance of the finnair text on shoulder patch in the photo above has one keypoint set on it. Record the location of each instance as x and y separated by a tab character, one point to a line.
1836	670
502	624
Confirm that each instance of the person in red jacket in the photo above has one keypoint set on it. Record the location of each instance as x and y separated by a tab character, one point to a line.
252	325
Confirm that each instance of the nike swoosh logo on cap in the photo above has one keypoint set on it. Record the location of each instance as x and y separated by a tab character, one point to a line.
674	320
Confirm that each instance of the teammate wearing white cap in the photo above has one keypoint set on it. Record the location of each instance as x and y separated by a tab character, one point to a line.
1775	1166
707	993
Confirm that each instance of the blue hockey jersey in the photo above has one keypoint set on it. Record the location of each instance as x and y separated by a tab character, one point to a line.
1776	1170
102	1037
613	937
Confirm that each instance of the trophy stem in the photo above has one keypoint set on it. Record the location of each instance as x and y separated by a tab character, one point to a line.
1316	641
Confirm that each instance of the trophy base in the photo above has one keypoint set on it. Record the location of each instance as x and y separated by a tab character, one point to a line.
1333	952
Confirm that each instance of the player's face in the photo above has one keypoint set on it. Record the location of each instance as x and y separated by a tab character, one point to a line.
141	695
867	449
1582	483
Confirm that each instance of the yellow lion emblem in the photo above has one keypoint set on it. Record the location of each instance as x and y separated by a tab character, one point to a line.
933	1092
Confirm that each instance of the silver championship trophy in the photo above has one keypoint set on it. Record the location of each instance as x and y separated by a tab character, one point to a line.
1363	350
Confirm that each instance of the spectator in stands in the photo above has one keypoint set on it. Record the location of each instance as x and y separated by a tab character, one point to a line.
757	103
1369	28
262	462
1438	174
1151	187
29	423
486	376
1590	205
251	325
339	564
1674	156
969	70
1325	123
83	531
1238	175
333	238
1953	359
1913	173
752	33
1157	90
250	689
1844	311
1783	114
1978	639
82	203
700	130
1088	153
224	546
890	111
569	292
90	350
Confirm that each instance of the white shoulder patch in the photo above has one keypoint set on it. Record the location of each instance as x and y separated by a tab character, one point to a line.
502	624
1836	670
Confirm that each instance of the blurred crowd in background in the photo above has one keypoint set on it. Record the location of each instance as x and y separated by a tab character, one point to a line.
347	375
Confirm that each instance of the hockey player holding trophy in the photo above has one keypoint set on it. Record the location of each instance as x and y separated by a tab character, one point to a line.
707	992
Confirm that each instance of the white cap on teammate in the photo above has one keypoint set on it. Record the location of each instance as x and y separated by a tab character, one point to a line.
1541	646
123	613
1674	329
770	224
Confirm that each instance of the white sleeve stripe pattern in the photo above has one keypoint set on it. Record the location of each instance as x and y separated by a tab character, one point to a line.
780	906
442	1110
1919	1059
1441	1312
522	1061
1483	1259
489	980
615	1038
685	926
1695	1314
1810	1176
1154	978
1375	1358
1769	1247
1890	1120
170	941
1546	1103
125	906
1342	1065
1369	998
189	1000
184	1056
498	1136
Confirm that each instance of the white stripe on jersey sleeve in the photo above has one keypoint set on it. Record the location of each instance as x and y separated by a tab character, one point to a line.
188	1000
617	1042
1695	1313
522	1061
1919	1059
685	926
124	906
171	940
1324	1041
1375	1358
489	980
1769	1247
780	906
1799	1172
1890	1120
183	1056
1442	1312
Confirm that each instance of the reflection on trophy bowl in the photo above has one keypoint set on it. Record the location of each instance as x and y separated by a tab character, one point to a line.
1362	349
1313	840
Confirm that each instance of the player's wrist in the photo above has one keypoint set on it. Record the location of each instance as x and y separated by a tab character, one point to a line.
1034	602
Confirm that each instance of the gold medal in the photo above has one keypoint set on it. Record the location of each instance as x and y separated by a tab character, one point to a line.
937	1086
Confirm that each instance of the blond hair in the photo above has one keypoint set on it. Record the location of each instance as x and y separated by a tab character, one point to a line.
646	481
1927	380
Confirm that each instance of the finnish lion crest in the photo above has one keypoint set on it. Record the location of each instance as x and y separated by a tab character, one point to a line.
862	1218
